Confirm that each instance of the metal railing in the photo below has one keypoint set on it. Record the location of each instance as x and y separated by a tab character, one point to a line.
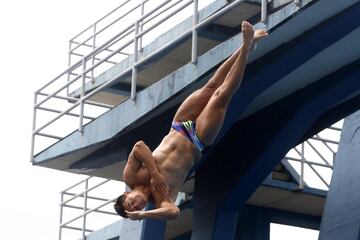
316	152
68	202
129	37
90	61
70	195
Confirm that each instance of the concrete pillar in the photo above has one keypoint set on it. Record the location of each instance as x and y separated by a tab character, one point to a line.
253	224
341	218
210	221
153	229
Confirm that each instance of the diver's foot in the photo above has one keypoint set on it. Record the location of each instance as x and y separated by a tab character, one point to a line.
248	34
258	34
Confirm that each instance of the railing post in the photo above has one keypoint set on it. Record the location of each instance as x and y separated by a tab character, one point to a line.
141	25
83	76
85	208
301	182
194	33
134	70
33	129
93	55
61	214
263	11
69	72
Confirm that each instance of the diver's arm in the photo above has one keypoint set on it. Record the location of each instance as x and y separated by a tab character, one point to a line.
167	211
139	156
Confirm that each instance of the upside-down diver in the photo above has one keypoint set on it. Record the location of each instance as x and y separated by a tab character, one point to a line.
157	176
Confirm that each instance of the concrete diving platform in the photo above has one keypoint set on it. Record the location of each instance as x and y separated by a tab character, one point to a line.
103	147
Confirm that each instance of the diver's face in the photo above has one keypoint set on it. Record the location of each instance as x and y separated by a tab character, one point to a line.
135	201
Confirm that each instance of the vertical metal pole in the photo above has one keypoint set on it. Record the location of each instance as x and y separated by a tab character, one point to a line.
33	130
69	73
194	32
263	11
134	70
61	213
93	56
141	25
82	95
301	183
85	208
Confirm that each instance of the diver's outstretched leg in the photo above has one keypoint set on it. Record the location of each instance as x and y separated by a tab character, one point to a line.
224	69
192	106
210	120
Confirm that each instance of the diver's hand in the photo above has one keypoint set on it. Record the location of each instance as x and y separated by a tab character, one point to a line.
158	183
135	215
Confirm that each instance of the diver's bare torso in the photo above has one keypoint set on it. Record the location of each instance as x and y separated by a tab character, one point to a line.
174	157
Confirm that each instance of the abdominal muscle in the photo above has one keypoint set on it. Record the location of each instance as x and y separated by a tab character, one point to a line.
175	156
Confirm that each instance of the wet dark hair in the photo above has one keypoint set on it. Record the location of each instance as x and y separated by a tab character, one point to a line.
119	206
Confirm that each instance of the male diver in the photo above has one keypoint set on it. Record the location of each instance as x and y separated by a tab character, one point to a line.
157	176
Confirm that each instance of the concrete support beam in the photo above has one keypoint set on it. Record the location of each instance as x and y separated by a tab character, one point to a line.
250	223
226	222
153	229
253	224
253	146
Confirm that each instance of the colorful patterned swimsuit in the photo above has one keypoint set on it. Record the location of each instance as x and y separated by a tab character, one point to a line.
187	128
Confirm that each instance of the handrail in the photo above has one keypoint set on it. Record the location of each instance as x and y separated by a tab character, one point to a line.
163	19
100	31
64	204
164	10
75	99
113	22
102	18
78	63
76	184
125	32
86	190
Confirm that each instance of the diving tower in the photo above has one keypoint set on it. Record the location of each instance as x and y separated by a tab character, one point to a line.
300	80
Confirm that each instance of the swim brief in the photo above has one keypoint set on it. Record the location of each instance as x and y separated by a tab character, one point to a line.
187	128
